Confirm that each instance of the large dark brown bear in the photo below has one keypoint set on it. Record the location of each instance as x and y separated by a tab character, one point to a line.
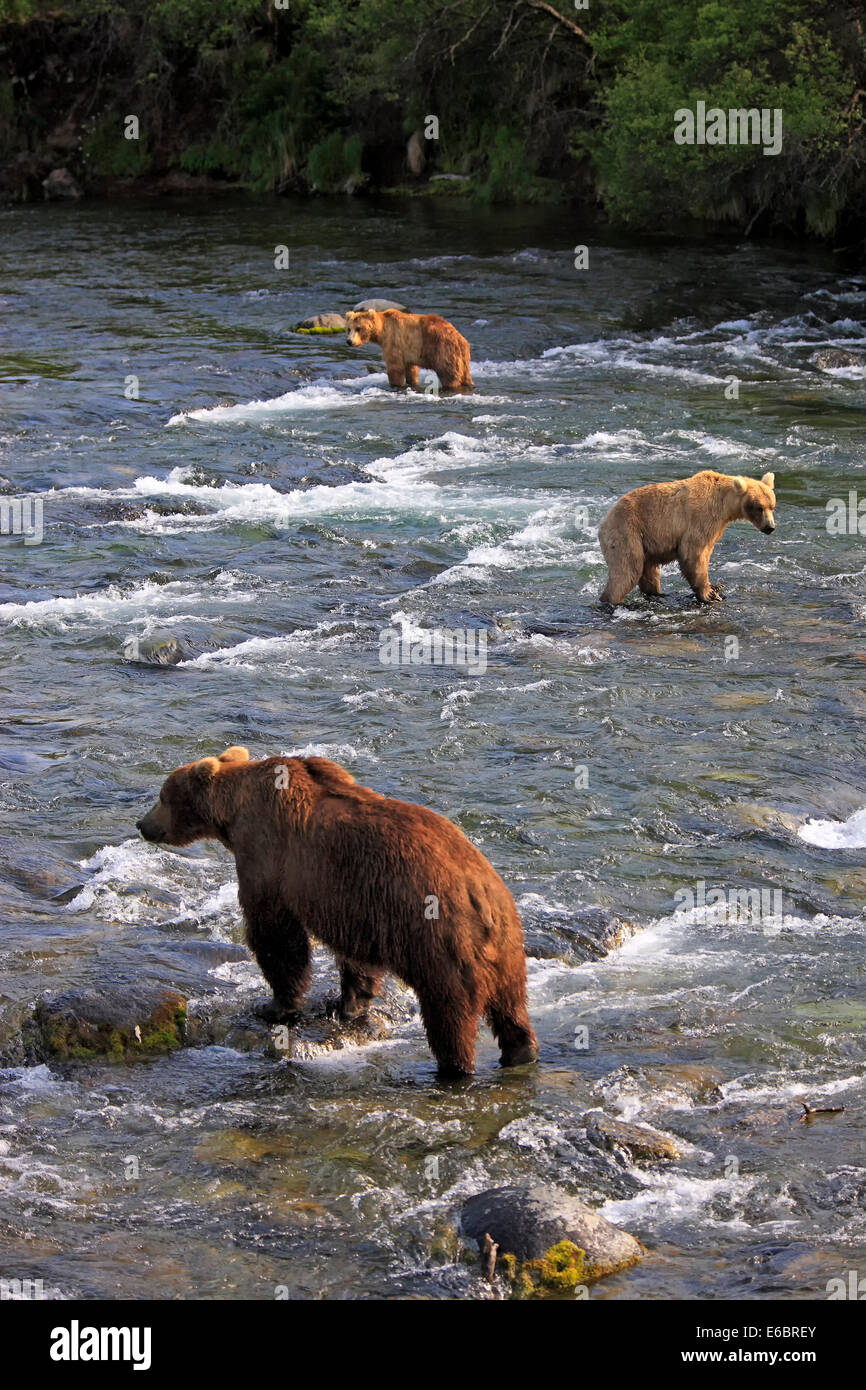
410	341
681	520
385	884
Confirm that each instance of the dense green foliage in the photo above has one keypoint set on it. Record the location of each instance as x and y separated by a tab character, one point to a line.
534	99
785	54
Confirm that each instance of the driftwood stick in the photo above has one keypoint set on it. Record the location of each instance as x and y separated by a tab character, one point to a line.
810	1110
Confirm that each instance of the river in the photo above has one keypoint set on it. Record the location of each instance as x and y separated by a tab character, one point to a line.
266	500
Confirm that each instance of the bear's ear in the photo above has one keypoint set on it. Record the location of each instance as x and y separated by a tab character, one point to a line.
204	769
741	484
769	480
235	754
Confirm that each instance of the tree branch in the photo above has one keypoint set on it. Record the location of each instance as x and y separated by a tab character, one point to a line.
569	23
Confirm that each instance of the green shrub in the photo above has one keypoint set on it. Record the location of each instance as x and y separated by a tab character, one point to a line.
334	160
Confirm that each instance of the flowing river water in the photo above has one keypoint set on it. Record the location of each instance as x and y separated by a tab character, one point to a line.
271	505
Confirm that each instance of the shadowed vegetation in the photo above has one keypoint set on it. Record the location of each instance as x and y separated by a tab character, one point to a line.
535	100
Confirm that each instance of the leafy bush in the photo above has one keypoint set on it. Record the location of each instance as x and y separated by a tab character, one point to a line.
333	161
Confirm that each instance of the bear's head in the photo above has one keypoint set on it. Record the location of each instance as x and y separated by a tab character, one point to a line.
185	810
364	326
758	501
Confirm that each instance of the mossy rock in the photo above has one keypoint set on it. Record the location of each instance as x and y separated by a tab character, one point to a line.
549	1241
116	1024
560	1272
321	323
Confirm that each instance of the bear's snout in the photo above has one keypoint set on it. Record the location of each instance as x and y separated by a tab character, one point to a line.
150	828
769	528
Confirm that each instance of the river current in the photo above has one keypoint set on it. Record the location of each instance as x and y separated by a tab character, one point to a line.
636	777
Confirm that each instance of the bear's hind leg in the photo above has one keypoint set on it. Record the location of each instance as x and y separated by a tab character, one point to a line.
625	564
359	985
450	385
509	1023
650	582
451	1025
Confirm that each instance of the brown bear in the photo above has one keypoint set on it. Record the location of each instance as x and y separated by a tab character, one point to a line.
410	341
681	521
387	885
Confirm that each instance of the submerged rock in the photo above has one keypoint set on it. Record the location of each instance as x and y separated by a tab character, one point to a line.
550	1240
321	323
830	358
584	933
159	649
639	1141
312	1034
116	1023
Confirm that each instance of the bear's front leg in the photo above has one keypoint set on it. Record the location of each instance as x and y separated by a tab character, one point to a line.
396	372
412	377
359	985
282	949
695	569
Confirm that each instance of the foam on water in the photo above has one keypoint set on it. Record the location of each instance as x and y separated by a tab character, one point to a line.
124	878
275	652
117	602
316	396
833	834
671	1197
543	541
323	396
395	488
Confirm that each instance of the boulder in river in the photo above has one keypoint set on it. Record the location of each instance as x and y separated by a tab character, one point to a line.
113	1023
638	1141
321	323
548	1240
60	185
379	306
831	358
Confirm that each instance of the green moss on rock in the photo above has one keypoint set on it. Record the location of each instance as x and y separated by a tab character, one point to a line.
112	1025
559	1271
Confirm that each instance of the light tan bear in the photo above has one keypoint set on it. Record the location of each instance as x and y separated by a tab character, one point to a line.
410	341
681	521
